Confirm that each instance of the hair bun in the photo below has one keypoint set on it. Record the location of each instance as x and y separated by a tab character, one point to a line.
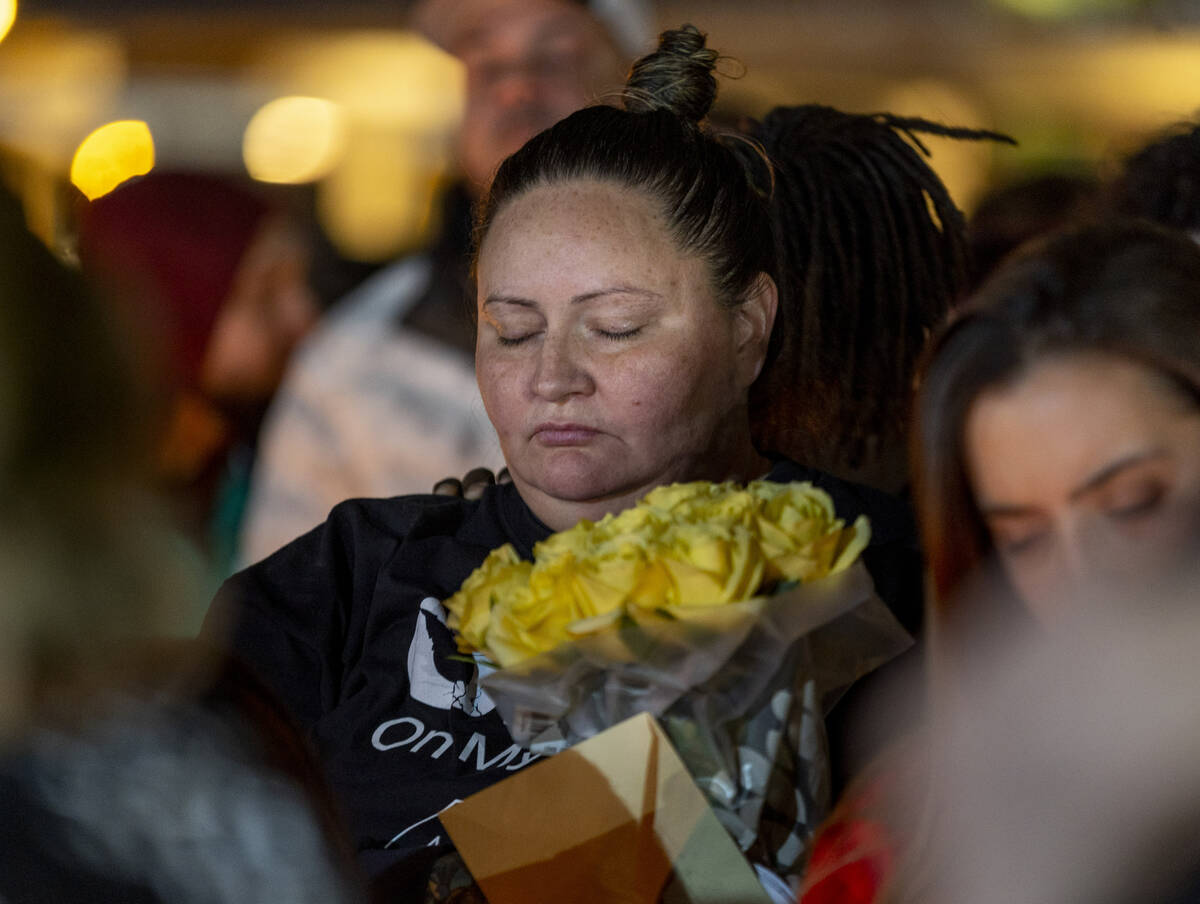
677	77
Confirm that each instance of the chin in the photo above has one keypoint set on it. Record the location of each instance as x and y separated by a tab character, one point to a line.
576	483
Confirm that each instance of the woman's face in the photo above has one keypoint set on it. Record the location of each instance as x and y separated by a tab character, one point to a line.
604	360
1087	473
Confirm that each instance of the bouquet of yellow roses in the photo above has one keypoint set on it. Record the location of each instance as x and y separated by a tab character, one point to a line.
734	614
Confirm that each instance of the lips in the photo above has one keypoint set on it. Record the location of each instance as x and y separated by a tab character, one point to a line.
553	434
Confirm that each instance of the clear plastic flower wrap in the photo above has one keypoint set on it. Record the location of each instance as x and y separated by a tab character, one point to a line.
620	618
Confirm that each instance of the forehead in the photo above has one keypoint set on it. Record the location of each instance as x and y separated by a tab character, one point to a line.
1064	419
583	231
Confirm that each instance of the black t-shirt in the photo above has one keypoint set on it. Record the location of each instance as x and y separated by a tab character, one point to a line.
345	624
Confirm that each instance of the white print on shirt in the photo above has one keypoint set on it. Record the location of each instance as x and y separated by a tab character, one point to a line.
437	839
427	684
410	732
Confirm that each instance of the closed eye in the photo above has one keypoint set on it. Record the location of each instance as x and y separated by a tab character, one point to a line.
1019	545
510	341
1142	505
618	335
1016	535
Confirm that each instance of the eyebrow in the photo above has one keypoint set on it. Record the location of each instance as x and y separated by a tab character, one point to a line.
1095	481
1111	470
499	298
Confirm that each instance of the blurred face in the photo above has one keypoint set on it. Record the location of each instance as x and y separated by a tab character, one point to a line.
529	64
604	360
269	309
1087	472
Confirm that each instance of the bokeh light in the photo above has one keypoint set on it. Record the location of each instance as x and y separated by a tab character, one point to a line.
294	140
8	15
111	155
961	165
1061	9
401	100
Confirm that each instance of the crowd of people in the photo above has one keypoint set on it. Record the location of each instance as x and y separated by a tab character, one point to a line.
626	294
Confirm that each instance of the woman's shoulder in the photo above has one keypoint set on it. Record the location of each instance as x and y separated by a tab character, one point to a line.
497	516
397	515
363	530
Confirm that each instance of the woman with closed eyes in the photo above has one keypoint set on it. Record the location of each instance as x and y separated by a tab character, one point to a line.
1059	420
627	303
1057	471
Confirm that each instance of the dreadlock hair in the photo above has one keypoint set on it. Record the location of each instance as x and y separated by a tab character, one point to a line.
871	254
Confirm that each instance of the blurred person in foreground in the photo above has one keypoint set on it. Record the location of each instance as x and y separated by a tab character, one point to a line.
627	302
1070	768
129	772
216	281
1057	461
383	399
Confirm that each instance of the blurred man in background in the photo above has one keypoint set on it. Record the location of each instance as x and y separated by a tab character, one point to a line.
382	399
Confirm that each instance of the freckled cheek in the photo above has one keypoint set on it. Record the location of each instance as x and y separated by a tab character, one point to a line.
502	392
654	396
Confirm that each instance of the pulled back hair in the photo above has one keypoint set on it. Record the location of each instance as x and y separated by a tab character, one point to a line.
1125	288
658	144
861	237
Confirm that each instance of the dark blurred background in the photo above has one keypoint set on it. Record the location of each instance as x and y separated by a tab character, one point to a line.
365	148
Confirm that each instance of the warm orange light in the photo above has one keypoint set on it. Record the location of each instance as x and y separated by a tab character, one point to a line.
8	15
294	140
1061	9
110	155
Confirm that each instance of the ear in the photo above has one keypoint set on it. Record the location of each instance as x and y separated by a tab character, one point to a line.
752	323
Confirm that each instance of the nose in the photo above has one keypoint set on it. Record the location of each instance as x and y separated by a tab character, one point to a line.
560	372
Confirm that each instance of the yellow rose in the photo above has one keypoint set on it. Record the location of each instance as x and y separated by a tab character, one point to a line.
802	537
852	545
696	544
676	495
606	580
524	624
733	506
712	563
636	521
501	574
655	587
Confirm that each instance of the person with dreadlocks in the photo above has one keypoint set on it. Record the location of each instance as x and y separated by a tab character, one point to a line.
872	253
